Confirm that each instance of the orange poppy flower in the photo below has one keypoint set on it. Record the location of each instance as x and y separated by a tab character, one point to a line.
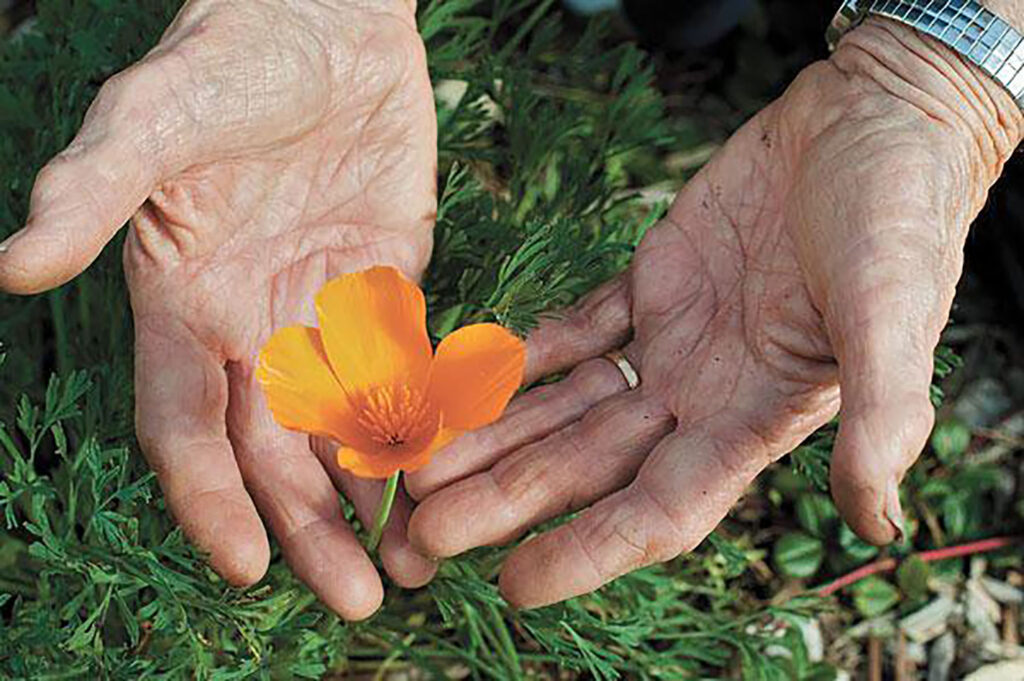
368	378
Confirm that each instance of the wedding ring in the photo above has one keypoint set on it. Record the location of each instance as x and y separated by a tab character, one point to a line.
620	360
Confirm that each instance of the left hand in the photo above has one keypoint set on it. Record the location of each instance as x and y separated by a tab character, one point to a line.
808	270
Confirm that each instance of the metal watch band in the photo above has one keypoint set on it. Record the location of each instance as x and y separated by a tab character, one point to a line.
976	33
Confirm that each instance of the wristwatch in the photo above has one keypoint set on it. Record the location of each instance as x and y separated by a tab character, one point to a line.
974	32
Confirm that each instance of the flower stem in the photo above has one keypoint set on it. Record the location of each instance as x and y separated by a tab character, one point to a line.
387	500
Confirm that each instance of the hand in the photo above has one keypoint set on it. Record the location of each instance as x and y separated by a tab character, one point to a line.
816	257
271	146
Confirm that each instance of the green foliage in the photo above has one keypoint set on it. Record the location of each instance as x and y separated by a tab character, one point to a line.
853	546
964	499
817	514
564	218
874	596
950	440
537	166
798	555
946	362
812	459
733	558
912	578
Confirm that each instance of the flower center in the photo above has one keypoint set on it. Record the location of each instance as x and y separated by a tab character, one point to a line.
393	415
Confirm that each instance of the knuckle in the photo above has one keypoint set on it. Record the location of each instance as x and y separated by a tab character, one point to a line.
594	542
593	380
49	176
47	188
733	462
627	536
526	478
664	539
113	89
191	498
152	441
117	92
579	323
890	277
588	373
491	440
308	530
662	547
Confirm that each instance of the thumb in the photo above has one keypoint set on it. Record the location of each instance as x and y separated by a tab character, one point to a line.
83	196
885	334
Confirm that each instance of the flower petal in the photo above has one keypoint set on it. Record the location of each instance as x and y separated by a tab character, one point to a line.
381	463
301	389
376	464
475	373
374	326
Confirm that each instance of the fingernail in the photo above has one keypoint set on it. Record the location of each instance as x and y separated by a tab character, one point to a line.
894	512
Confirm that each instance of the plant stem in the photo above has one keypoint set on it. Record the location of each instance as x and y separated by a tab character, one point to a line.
890	564
387	500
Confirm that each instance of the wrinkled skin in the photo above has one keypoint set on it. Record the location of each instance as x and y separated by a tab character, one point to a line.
267	146
806	272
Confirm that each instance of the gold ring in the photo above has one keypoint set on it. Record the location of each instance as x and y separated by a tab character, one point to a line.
620	360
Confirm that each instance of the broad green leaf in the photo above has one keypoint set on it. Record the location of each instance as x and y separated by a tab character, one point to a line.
873	596
854	546
798	555
912	576
816	514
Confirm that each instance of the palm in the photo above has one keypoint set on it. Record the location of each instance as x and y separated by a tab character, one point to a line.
263	149
727	334
236	248
769	261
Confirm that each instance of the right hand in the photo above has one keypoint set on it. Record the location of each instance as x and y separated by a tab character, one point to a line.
263	148
809	267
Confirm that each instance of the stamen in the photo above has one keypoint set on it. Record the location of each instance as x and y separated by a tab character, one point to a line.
393	415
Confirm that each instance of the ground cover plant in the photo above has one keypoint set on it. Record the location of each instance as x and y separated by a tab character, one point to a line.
548	132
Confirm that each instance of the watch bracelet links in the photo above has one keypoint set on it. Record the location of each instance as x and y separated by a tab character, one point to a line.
966	26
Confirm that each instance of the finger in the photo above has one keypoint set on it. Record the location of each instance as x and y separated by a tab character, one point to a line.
691	480
301	505
83	196
409	569
599	323
181	397
530	417
885	347
563	472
